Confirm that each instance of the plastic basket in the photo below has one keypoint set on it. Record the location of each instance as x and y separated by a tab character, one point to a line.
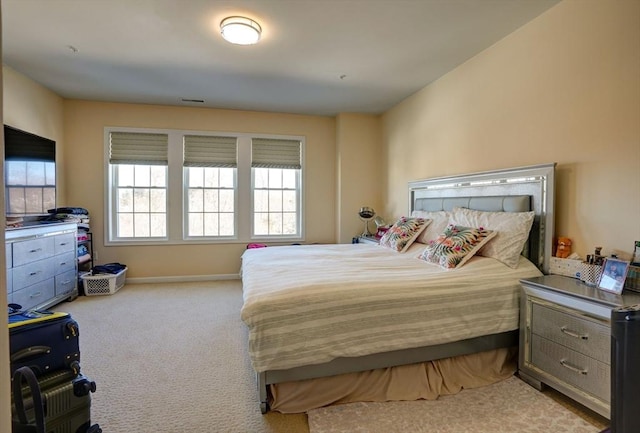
103	284
590	274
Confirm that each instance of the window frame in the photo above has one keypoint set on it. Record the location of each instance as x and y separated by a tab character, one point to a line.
177	211
299	222
185	204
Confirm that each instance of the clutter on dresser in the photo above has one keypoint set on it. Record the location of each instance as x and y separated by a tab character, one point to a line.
614	273
563	247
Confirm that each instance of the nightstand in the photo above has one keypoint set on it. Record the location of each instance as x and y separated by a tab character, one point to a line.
367	240
565	338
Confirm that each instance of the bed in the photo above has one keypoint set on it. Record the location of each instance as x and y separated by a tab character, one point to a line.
319	313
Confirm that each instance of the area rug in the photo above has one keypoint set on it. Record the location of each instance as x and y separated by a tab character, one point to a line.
508	406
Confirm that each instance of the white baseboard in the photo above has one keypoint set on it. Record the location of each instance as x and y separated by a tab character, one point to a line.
182	279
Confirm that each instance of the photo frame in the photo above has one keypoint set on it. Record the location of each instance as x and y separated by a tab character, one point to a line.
614	272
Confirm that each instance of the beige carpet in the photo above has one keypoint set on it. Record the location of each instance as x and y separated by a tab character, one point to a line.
172	358
505	407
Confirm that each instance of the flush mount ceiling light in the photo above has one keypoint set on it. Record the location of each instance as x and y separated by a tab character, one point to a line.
240	30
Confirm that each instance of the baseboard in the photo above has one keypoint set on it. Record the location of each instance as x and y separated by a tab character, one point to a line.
182	278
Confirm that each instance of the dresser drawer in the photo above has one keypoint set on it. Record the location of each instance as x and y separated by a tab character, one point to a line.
34	295
64	262
32	273
9	280
65	243
8	252
34	249
65	283
572	367
588	337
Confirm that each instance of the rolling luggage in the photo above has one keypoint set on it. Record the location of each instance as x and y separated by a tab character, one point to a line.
54	403
44	341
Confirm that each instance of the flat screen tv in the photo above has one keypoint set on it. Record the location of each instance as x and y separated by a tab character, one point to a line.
29	173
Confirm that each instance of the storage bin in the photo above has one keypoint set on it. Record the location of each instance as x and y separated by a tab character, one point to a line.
103	284
633	279
567	267
590	274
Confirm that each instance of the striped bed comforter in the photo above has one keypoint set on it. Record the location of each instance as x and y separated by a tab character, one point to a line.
309	304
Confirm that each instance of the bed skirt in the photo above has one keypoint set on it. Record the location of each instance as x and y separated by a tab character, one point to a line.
422	381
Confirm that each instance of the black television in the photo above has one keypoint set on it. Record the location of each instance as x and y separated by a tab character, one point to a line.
29	173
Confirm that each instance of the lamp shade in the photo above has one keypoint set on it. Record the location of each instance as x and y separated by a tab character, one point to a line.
240	30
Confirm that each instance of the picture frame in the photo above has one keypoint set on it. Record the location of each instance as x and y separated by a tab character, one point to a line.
614	272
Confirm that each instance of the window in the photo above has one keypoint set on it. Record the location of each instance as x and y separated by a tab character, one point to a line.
231	187
276	168
210	177
139	185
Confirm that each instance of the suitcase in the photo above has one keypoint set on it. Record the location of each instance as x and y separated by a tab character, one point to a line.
59	402
44	341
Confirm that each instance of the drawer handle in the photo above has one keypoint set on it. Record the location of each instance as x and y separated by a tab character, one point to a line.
36	250
565	364
64	283
31	274
35	295
63	263
574	334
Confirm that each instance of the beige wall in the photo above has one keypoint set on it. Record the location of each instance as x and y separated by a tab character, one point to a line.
84	124
33	108
359	145
564	88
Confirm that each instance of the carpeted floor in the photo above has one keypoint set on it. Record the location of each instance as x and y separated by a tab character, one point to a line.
170	358
504	407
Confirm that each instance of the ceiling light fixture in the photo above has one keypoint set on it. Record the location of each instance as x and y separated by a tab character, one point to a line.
240	30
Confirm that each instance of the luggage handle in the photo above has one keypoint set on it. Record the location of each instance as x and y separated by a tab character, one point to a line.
38	407
30	352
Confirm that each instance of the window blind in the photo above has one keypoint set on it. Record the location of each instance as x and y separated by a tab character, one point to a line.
138	148
276	153
210	151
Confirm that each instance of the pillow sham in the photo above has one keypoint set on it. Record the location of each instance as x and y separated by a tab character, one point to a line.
512	231
403	233
456	245
440	221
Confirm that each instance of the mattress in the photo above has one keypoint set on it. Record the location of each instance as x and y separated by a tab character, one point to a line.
310	304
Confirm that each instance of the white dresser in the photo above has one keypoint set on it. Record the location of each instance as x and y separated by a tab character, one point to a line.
41	264
565	338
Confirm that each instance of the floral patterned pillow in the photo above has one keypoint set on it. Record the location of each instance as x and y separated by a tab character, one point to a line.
402	234
456	245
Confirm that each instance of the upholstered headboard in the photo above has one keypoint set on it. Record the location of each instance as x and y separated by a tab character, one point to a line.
512	190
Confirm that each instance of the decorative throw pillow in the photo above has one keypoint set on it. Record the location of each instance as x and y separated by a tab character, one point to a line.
512	231
439	222
456	245
403	233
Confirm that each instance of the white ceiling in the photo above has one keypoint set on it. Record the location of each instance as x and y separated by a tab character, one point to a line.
160	51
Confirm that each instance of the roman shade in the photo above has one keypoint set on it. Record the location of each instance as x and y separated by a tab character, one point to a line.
138	148
210	151
276	153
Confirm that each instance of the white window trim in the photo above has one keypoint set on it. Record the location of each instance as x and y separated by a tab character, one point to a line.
176	215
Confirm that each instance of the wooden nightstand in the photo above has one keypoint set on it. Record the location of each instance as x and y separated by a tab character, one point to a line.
565	338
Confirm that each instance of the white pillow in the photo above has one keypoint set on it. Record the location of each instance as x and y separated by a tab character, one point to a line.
403	233
512	232
439	222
